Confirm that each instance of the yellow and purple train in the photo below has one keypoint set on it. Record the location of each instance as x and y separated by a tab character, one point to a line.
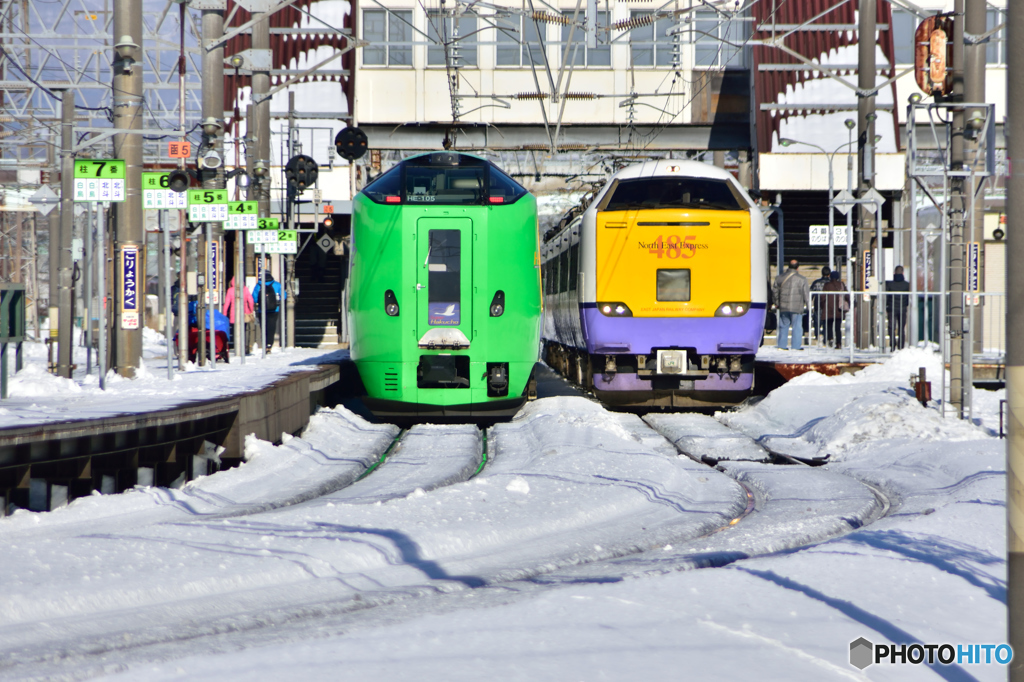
655	289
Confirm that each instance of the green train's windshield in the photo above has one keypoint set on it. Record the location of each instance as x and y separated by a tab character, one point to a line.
469	182
668	192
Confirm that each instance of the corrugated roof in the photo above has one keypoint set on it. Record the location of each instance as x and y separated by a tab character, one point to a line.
814	45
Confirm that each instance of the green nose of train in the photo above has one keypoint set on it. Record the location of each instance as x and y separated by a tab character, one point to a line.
444	289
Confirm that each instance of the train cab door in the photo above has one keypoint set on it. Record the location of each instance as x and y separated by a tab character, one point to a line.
444	282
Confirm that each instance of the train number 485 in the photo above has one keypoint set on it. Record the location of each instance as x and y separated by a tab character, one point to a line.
675	246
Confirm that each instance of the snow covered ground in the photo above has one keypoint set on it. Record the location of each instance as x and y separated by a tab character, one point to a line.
571	555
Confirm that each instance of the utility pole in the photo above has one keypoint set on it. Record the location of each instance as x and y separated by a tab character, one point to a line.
288	307
213	127
1015	343
261	129
129	231
182	222
957	219
61	248
974	91
866	77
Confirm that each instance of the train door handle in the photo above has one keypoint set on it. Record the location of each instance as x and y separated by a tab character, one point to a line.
420	286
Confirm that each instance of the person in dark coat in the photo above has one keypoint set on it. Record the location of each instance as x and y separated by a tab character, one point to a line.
818	303
837	303
273	309
896	308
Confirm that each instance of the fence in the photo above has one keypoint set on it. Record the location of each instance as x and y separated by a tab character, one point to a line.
889	322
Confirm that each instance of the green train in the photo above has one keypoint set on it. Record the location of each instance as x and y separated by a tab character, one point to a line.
444	289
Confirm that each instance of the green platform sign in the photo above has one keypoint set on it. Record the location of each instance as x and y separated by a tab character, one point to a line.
99	180
208	205
242	215
155	194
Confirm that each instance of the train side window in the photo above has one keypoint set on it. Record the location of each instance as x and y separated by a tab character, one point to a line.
563	271
574	266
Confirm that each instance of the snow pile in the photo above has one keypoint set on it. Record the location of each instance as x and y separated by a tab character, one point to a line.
816	415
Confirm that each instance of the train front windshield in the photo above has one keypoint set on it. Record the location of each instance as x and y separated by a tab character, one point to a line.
467	182
671	192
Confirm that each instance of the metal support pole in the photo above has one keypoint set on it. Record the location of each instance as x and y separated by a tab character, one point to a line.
129	229
101	281
165	230
87	286
61	249
182	218
1015	344
211	287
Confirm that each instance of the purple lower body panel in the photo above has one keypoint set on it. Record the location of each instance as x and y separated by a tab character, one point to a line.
630	381
639	335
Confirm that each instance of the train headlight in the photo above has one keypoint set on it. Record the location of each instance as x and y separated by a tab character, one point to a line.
390	303
614	309
732	309
498	304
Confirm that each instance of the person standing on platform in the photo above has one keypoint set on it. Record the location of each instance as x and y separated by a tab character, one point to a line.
836	305
792	295
818	304
896	308
275	298
248	308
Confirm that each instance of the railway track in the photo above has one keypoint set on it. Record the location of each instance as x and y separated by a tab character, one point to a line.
427	468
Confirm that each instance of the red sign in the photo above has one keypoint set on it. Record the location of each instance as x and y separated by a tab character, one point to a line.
328	208
179	150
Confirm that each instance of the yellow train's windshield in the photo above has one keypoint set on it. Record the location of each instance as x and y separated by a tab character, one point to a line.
674	192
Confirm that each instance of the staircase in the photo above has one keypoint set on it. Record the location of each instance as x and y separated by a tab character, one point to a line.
318	305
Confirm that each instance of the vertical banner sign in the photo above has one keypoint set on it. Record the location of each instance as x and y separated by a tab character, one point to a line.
974	266
211	274
130	271
868	273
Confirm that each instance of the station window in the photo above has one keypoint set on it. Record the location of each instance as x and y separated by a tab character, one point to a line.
719	41
904	26
440	28
389	33
518	41
579	53
649	45
995	52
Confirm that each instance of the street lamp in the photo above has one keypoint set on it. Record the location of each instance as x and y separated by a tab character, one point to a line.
787	142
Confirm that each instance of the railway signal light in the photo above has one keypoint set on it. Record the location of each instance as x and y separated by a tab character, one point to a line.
350	143
328	222
933	51
301	172
178	180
